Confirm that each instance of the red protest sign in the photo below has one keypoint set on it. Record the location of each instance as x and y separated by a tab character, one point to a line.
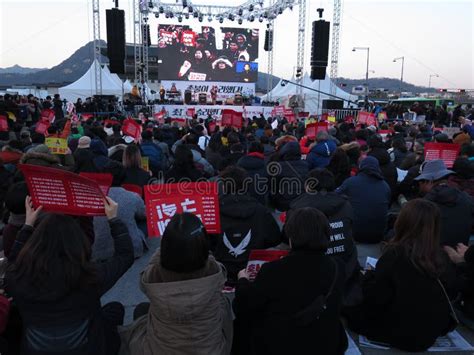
86	116
259	257
303	114
73	194
190	112
227	117
314	128
198	198
188	38
237	118
111	122
3	123
182	122
447	152
366	118
279	110
42	127
212	127
47	115
131	128
289	115
103	180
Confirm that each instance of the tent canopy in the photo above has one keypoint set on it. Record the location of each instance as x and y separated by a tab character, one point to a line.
313	100
85	86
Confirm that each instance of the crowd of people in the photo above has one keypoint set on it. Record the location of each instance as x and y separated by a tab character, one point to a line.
319	197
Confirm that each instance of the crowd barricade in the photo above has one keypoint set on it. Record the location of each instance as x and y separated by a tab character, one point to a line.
341	114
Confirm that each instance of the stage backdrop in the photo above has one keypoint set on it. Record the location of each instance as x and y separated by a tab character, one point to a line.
204	53
179	111
224	90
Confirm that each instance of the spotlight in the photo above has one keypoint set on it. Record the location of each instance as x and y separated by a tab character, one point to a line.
240	21
157	14
150	4
171	15
195	15
190	9
209	18
185	3
167	15
280	11
186	16
161	9
180	19
200	18
260	19
265	14
251	18
229	17
251	8
241	12
221	20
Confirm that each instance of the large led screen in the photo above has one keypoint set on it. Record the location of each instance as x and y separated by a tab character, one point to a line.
204	53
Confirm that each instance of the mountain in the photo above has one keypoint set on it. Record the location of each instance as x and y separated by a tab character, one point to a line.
393	85
67	71
16	69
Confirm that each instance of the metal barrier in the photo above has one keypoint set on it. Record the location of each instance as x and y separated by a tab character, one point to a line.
341	114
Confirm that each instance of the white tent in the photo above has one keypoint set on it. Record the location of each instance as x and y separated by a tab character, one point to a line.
85	86
312	99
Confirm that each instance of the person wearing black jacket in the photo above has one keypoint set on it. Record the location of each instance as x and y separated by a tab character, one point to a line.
320	186
389	170
287	175
246	224
406	303
254	164
457	207
57	289
132	163
294	304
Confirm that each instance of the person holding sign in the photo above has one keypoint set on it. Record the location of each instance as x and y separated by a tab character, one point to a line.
287	309
57	288
187	314
405	301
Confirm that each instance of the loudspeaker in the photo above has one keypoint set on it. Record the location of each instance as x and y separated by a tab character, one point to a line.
187	97
319	49
268	45
333	104
115	19
146	35
202	98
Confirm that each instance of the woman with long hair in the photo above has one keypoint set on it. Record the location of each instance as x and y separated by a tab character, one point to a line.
187	313
183	167
405	301
340	166
57	288
134	172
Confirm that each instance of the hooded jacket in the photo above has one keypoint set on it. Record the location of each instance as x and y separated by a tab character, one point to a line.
388	169
154	154
339	213
287	176
188	313
43	159
246	225
320	155
457	214
254	165
370	198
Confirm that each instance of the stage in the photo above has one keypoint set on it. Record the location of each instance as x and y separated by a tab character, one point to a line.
215	111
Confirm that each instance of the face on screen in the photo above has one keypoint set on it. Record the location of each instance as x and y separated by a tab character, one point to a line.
206	53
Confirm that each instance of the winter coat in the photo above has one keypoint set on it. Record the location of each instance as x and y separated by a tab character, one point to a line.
131	207
188	313
465	278
287	176
320	155
339	213
457	213
47	160
51	310
84	161
254	165
389	171
177	173
214	158
370	198
403	306
284	288
154	154
246	225
136	176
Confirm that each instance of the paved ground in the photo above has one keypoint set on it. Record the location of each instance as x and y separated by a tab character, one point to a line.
128	292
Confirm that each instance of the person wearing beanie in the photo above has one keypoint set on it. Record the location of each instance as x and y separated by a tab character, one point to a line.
320	154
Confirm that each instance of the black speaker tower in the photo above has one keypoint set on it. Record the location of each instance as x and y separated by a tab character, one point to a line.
319	48
115	19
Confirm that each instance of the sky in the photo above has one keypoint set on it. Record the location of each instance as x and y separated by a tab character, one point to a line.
434	36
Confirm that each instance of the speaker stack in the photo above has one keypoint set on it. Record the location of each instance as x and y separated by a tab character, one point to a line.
202	98
319	49
115	19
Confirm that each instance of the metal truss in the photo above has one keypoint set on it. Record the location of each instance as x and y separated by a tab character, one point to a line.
336	30
97	54
301	44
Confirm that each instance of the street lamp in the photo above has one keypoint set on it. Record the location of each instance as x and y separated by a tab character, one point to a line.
432	76
366	72
401	77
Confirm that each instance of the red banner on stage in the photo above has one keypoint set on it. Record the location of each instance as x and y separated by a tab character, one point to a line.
132	129
62	191
259	257
164	201
103	180
367	118
42	127
313	129
447	152
3	123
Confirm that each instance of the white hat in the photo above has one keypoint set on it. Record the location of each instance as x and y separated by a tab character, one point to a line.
128	139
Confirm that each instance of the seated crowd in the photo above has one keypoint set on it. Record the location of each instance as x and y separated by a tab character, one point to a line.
344	188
